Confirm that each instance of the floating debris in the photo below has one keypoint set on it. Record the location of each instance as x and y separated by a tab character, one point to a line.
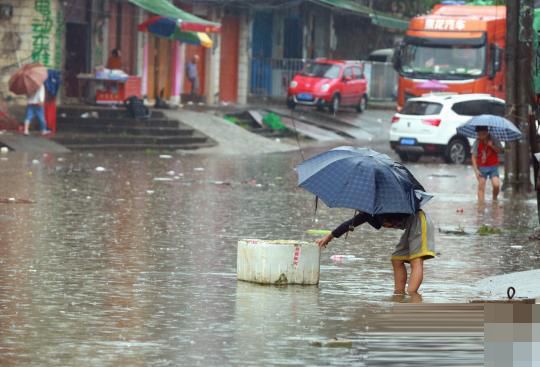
100	169
318	232
15	201
198	169
165	156
340	258
163	179
333	343
4	150
486	230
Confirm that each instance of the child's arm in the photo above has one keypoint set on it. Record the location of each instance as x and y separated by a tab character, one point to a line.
474	152
343	228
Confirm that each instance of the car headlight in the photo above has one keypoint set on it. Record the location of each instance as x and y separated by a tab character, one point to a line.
294	84
325	87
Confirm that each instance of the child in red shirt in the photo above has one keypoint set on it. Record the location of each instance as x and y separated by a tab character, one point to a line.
485	161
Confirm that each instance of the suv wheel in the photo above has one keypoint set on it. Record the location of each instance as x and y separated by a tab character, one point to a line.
409	157
334	107
362	105
456	151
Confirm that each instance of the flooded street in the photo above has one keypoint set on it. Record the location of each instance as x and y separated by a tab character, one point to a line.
129	259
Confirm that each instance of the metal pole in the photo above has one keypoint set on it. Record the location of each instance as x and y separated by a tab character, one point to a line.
524	90
510	166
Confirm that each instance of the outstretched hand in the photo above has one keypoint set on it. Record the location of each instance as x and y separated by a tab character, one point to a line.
323	242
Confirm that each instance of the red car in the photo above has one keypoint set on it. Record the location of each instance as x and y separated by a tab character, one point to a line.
329	83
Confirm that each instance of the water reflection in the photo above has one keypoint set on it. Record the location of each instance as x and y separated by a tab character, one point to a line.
122	269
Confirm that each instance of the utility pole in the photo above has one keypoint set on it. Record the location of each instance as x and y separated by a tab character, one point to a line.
519	90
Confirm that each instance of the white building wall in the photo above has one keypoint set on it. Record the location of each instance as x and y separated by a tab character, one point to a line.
244	50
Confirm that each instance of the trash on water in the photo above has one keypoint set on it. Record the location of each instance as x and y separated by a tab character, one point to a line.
198	169
35	161
165	156
221	183
162	179
339	258
100	169
318	232
516	247
171	173
85	115
486	230
459	230
150	192
333	343
4	150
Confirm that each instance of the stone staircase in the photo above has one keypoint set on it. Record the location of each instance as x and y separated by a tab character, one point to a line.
105	128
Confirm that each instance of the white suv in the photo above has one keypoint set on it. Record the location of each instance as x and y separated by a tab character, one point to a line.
427	125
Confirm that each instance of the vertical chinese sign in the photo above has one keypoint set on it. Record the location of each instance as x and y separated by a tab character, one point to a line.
41	32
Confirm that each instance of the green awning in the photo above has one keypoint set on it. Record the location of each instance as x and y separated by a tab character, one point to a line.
378	18
389	22
167	9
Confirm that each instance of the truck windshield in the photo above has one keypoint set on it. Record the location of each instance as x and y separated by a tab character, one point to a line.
318	70
439	62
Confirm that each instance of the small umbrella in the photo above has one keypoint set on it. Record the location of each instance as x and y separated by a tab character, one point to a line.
434	85
361	179
28	79
172	28
498	127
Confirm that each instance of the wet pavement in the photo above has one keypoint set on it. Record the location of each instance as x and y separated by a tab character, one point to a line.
129	259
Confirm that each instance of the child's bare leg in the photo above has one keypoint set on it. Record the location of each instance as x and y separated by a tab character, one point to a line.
481	188
496	183
400	276
417	275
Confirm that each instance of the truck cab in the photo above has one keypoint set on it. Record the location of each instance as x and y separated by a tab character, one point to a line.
457	48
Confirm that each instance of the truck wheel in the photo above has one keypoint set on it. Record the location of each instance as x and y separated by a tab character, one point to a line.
362	105
456	151
409	157
334	106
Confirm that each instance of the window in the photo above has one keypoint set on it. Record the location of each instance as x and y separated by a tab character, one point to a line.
348	73
358	72
316	70
479	107
421	108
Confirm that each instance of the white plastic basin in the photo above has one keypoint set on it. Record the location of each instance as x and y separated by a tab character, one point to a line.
278	262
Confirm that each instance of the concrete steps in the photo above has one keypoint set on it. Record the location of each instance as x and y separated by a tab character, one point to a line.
93	127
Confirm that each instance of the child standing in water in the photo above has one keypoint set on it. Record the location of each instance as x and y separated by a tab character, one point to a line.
416	244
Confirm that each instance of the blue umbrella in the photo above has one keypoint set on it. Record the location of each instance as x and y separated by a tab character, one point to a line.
361	179
498	127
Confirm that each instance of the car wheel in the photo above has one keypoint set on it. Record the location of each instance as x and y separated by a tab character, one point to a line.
334	106
409	157
362	105
456	151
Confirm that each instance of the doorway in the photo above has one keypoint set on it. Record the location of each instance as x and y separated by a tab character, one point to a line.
77	56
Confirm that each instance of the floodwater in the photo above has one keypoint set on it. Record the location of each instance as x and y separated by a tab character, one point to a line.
129	259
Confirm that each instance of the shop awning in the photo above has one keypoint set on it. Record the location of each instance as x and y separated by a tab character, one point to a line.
378	18
167	9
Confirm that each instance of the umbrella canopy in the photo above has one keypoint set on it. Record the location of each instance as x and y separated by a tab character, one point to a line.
176	29
498	127
28	79
361	179
432	85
